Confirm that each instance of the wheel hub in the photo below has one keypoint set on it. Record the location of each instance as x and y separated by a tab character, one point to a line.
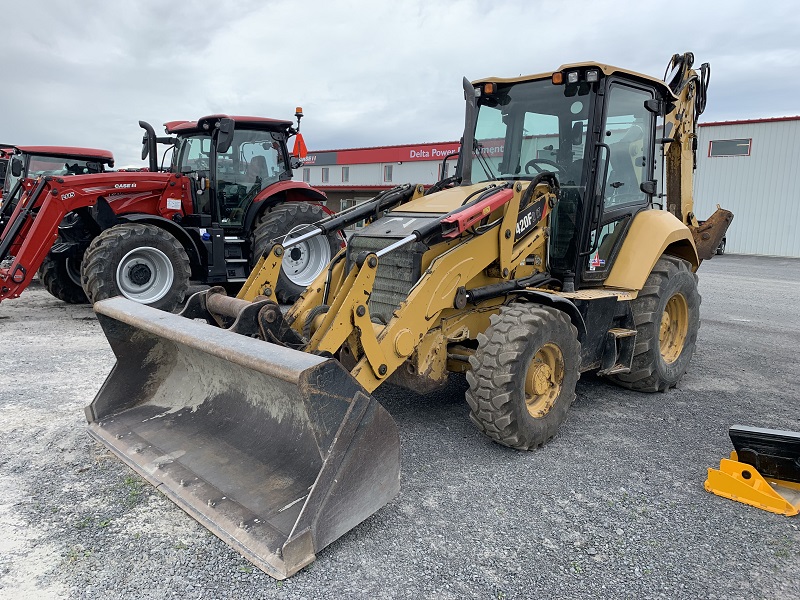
540	378
140	274
543	380
145	274
295	253
674	328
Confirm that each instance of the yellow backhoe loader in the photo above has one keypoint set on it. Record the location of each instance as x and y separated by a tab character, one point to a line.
542	257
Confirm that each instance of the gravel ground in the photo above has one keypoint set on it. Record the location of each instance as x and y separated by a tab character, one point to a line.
613	507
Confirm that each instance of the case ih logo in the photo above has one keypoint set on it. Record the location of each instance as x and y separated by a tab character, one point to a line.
120	186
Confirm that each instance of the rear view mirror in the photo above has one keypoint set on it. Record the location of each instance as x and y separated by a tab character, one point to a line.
577	133
224	135
16	167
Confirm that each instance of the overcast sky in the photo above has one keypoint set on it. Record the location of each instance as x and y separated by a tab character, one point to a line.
366	73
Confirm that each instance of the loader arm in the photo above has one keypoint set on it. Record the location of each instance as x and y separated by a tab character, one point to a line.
386	348
31	231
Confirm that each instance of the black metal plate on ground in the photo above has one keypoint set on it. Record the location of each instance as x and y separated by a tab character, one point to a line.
773	452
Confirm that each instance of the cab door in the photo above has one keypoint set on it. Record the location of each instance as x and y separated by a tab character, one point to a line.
625	162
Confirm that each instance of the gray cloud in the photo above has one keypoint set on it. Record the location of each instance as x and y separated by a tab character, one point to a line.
366	73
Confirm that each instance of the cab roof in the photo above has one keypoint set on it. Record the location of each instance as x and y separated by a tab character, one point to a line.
104	156
607	70
253	122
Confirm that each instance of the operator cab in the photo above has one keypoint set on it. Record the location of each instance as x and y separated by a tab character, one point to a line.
230	171
593	128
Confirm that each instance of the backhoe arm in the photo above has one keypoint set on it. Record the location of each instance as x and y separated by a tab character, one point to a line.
680	131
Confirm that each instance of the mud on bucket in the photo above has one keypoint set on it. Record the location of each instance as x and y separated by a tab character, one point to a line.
275	451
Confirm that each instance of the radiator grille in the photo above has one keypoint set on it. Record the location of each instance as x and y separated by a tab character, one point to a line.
397	272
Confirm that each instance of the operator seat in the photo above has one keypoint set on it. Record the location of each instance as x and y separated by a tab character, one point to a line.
257	169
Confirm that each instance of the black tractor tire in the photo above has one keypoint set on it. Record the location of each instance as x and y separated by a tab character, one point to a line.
523	375
61	277
142	262
667	317
301	263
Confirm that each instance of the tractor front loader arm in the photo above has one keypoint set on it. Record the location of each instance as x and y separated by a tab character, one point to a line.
31	231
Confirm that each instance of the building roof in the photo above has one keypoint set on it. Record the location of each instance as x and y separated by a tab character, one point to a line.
749	121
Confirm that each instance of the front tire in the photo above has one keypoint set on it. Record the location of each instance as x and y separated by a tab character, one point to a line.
141	262
61	276
523	375
301	263
667	317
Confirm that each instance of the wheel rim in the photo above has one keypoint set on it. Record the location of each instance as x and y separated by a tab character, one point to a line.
543	380
145	275
74	271
304	261
674	327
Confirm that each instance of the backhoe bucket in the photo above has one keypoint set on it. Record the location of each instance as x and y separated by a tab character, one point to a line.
276	451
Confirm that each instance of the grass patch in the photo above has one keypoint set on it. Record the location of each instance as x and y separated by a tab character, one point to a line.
133	488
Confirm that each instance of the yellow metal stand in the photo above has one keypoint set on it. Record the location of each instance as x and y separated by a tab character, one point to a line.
742	482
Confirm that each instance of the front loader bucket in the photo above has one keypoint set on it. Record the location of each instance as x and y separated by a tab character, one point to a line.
276	451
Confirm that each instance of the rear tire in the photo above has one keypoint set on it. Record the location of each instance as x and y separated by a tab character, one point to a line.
61	276
667	317
141	262
301	263
523	375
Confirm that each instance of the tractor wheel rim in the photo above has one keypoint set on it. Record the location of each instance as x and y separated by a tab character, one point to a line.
543	380
674	328
133	279
74	271
303	262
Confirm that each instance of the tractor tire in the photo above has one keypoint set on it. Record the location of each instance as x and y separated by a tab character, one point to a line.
667	318
301	263
523	375
141	262
61	276
721	248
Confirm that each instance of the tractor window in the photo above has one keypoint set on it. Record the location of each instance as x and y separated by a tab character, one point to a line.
195	154
255	160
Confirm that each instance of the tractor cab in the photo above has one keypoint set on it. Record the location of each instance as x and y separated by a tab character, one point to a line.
230	161
30	162
591	126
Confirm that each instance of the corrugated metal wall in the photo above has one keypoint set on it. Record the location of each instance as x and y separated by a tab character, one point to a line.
762	190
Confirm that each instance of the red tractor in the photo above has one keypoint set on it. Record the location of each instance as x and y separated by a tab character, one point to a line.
143	235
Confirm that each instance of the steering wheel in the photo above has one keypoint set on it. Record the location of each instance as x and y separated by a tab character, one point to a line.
534	163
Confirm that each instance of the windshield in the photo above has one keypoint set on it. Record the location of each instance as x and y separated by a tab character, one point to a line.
530	127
